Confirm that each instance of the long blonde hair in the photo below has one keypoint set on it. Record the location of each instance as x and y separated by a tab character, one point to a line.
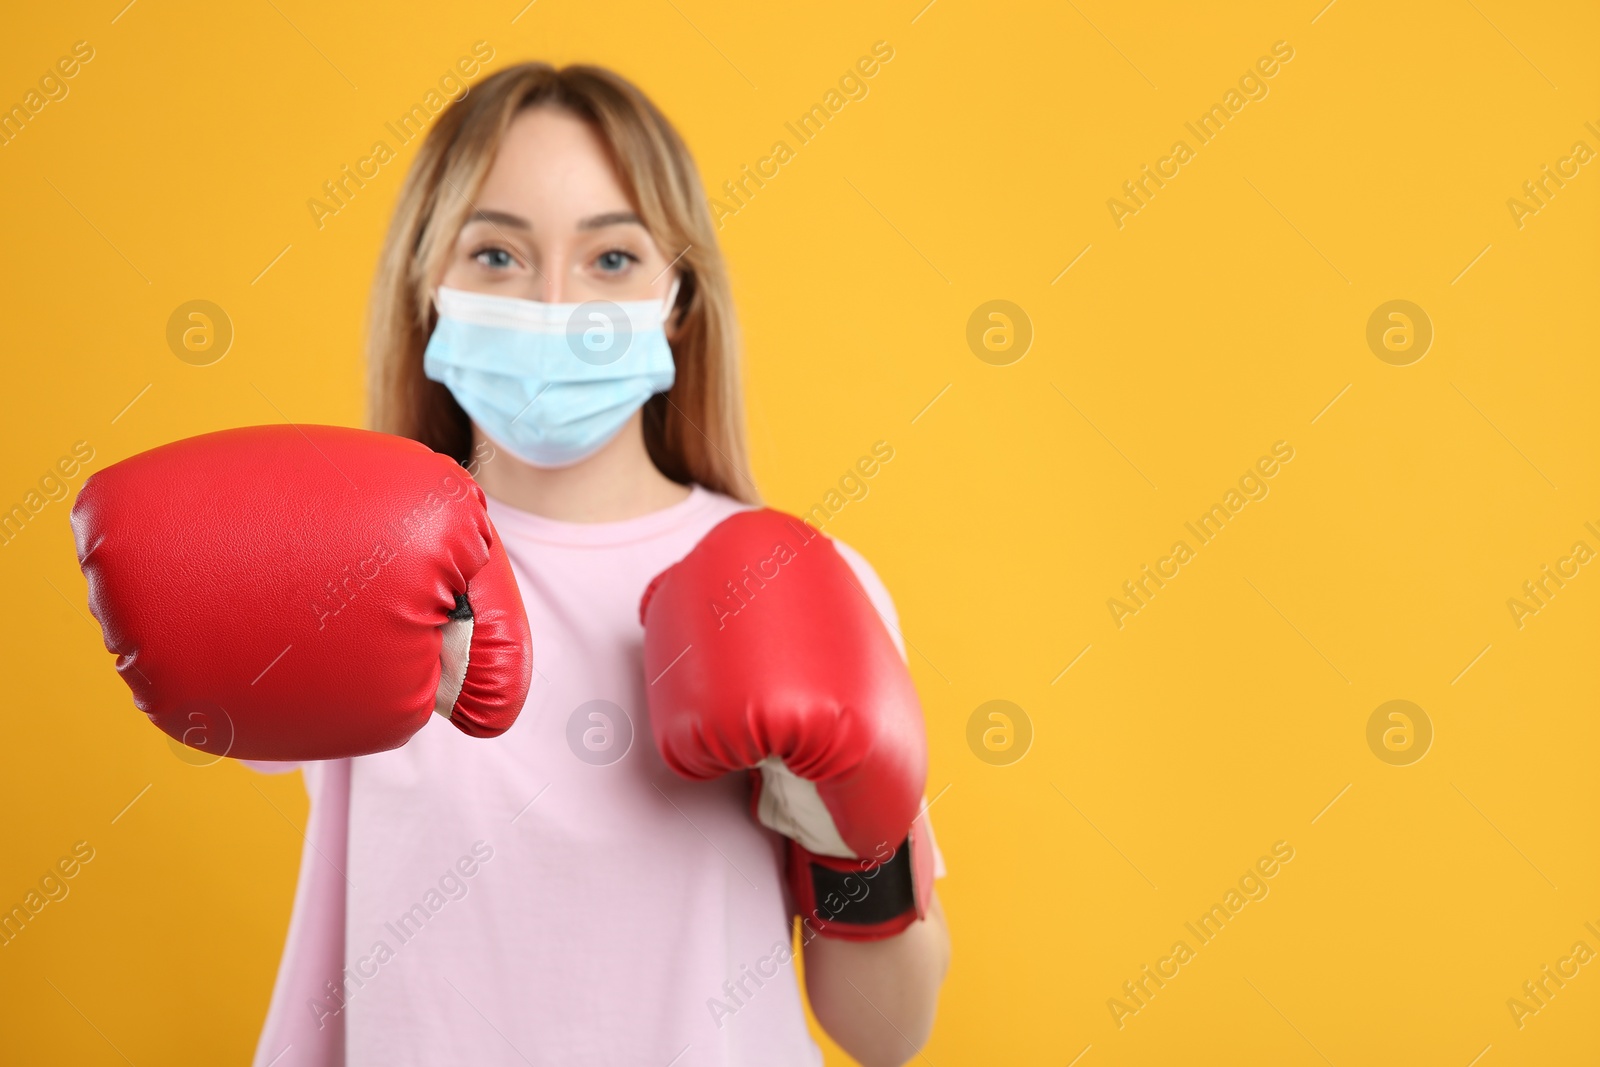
695	432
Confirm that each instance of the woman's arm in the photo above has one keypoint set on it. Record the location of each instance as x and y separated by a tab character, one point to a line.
271	766
877	998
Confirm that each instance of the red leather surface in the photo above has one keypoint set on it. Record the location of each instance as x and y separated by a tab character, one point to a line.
785	656
276	592
806	904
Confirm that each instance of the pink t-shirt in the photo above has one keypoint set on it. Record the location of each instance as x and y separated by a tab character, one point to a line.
556	895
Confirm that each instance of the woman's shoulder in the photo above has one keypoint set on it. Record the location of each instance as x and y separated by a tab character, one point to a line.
714	501
873	586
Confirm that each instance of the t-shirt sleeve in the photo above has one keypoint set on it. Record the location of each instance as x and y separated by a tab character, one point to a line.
299	1016
938	857
878	594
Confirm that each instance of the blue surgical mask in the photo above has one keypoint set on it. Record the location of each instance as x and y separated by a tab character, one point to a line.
550	383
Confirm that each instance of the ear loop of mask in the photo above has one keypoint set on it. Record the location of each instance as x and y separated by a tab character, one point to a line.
671	301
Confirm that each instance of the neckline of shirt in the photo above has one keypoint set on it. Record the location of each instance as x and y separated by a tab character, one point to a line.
526	526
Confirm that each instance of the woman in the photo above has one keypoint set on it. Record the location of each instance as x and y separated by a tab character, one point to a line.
558	895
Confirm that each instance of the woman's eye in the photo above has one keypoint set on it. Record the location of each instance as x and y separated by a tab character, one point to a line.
615	260
495	258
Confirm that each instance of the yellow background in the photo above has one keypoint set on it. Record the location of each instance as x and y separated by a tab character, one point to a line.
1223	317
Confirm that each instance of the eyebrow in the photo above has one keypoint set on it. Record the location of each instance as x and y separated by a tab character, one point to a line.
501	218
593	222
611	218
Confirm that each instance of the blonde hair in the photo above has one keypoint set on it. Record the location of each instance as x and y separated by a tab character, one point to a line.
695	432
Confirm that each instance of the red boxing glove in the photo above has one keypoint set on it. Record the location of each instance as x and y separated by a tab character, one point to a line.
762	651
303	593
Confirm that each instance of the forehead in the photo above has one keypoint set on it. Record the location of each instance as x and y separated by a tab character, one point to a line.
552	168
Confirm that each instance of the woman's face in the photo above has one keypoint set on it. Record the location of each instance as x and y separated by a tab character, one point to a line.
551	222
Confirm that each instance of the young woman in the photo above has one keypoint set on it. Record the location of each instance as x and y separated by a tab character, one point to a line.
557	894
